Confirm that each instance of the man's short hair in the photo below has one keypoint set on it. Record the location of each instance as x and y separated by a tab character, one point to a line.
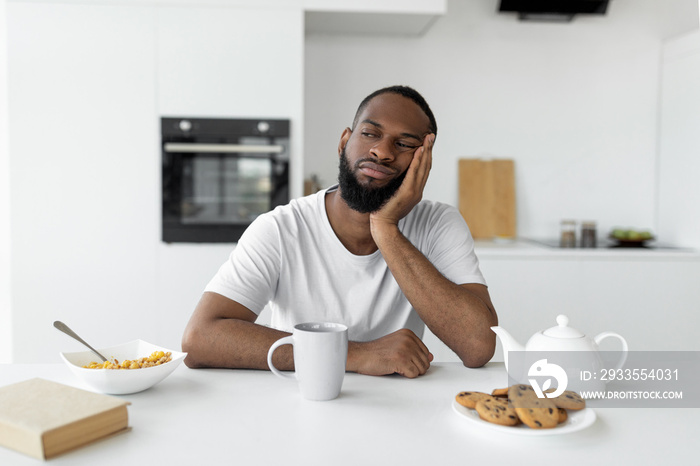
404	91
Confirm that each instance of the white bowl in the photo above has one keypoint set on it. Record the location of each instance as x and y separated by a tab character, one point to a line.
122	381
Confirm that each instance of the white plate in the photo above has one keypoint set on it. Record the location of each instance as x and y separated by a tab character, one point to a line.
122	382
577	420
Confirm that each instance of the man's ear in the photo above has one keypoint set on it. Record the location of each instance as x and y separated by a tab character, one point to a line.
347	132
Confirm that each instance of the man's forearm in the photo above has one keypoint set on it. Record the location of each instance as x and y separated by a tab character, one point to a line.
239	344
234	344
223	333
456	315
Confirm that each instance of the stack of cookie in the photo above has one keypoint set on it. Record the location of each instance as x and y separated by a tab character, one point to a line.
520	404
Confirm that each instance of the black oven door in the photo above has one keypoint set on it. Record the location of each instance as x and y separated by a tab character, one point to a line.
213	191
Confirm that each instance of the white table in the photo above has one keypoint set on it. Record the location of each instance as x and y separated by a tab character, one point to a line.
237	417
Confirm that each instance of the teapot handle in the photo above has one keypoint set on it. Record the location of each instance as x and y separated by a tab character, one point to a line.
605	335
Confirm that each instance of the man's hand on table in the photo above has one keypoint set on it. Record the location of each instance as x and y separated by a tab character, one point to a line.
401	352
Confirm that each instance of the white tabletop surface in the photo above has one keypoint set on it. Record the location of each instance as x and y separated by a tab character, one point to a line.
238	417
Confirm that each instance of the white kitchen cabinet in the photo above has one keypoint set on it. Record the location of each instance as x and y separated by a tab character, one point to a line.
230	62
223	63
88	84
84	174
372	17
650	297
234	63
5	249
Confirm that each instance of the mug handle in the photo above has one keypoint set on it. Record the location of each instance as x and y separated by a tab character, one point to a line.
604	335
282	341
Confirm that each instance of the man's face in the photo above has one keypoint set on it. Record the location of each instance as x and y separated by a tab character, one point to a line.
375	155
364	199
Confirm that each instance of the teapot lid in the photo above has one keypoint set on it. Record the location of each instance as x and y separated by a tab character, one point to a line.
562	330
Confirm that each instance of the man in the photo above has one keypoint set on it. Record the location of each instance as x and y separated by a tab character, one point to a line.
367	253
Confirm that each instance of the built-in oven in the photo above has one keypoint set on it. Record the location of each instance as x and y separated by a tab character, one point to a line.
218	175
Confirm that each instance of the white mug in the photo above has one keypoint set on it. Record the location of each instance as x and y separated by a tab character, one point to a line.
320	355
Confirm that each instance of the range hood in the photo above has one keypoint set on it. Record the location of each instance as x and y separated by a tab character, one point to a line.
552	10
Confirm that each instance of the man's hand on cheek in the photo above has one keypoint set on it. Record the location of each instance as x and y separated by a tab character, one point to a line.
411	190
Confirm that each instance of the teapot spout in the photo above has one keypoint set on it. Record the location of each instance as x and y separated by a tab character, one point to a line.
508	342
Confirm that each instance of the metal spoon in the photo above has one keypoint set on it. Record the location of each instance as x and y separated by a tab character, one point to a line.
64	328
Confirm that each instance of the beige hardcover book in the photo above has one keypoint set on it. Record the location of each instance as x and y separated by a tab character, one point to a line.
43	419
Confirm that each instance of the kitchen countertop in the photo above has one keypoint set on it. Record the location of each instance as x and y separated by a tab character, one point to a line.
216	416
523	248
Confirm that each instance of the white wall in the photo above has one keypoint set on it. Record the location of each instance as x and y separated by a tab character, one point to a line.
88	84
5	250
576	105
679	162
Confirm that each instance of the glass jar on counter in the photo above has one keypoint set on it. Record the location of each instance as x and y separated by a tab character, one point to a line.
588	234
568	234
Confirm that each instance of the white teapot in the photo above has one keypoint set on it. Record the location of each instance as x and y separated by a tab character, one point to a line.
586	366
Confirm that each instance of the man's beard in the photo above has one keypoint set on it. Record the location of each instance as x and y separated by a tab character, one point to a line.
360	198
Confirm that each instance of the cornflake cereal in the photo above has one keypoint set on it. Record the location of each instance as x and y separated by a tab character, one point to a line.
155	359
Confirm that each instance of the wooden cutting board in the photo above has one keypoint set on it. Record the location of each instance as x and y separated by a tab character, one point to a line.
487	197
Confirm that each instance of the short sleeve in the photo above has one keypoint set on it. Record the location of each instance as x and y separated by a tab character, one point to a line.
251	273
447	243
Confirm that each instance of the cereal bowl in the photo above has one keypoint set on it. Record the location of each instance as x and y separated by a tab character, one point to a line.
122	381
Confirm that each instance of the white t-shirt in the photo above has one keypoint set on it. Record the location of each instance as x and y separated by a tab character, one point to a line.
292	259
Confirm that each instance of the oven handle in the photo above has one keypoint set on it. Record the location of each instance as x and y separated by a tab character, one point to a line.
221	148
